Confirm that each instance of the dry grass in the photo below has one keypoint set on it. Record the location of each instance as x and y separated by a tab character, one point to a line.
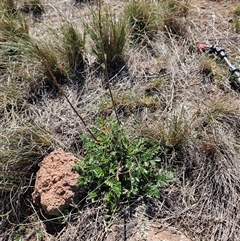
166	89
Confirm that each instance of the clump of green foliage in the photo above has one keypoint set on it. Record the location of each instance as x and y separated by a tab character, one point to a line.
118	167
109	35
143	17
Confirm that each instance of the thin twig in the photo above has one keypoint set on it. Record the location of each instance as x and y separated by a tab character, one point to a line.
105	60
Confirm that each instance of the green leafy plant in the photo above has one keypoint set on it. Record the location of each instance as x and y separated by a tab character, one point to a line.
143	17
118	167
109	35
19	234
17	237
39	234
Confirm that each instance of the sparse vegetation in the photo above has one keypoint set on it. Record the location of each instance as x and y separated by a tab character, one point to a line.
166	143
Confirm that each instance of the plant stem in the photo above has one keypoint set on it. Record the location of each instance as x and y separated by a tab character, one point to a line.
63	93
105	59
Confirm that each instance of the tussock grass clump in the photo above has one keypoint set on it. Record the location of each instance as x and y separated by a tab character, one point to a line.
7	5
210	190
227	105
62	53
214	172
236	19
143	17
174	133
14	30
108	35
21	149
205	151
172	11
178	8
74	46
10	98
175	26
48	53
236	11
13	26
206	66
22	145
51	54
